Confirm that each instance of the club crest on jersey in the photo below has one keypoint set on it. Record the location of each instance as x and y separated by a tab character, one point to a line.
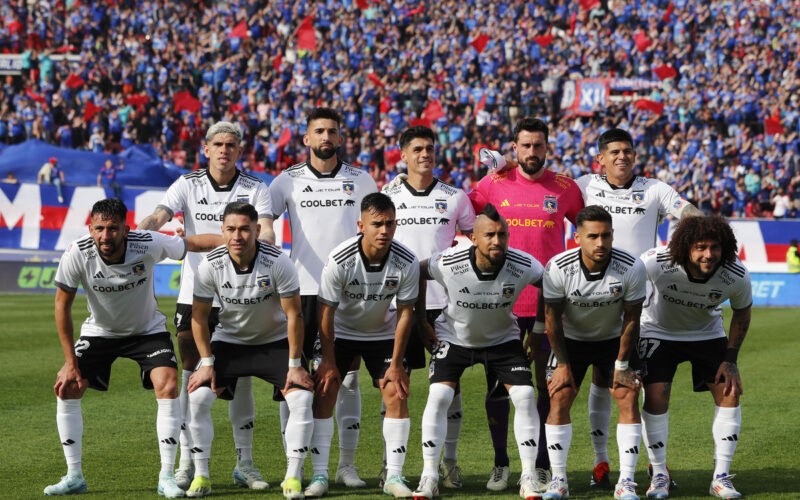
678	204
138	268
348	187
615	289
262	282
550	204
637	196
714	295
391	283
508	291
243	198
441	206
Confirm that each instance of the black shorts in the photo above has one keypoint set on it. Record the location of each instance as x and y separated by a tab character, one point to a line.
506	363
415	350
310	308
183	318
662	357
377	355
96	354
600	354
266	361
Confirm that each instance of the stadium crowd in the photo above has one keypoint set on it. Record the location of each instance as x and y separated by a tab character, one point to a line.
728	137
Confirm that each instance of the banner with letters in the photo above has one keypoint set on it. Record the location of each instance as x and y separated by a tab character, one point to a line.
584	97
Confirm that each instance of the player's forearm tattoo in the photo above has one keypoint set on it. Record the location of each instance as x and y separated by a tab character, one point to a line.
630	331
627	378
151	222
740	323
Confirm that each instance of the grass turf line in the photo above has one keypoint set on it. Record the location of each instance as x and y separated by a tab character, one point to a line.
120	452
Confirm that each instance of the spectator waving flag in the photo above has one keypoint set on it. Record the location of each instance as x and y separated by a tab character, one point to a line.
239	31
772	125
665	71
480	42
650	105
74	81
544	40
641	41
306	36
183	101
90	110
433	111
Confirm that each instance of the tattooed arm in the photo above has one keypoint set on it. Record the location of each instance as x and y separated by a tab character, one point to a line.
728	372
562	376
627	346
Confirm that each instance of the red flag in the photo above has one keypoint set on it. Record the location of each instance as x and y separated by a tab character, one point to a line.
306	36
641	40
66	48
137	100
236	108
544	40
90	110
420	121
433	111
362	4
36	97
665	71
649	105
391	156
276	63
418	10
668	13
184	101
239	31
74	81
481	104
480	42
772	125
285	137
589	4
573	20
374	79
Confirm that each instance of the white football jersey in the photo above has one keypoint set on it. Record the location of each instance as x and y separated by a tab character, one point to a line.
323	211
121	296
479	306
426	223
636	208
251	308
202	202
362	293
682	308
594	302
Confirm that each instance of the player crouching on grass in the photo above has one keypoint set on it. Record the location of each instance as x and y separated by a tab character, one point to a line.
115	267
260	331
593	300
482	282
682	321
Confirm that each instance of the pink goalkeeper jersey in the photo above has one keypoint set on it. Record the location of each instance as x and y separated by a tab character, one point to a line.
535	212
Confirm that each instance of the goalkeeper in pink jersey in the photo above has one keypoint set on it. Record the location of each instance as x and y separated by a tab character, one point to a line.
534	201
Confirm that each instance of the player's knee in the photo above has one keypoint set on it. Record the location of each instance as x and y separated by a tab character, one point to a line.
350	383
440	396
75	391
202	398
521	395
299	401
656	401
165	382
561	401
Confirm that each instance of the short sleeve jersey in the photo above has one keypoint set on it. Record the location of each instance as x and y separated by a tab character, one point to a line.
637	208
202	202
593	302
426	223
362	293
479	306
251	308
680	307
121	296
535	212
323	211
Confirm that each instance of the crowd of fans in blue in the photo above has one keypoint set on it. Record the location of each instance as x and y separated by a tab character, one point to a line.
382	63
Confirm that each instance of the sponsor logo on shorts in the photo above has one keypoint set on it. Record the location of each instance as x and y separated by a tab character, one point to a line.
159	352
520	369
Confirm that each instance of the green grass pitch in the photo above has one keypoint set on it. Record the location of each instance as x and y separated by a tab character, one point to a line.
120	452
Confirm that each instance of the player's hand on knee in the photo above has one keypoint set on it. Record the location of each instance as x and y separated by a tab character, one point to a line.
297	376
492	160
560	380
396	375
728	373
627	378
69	381
203	375
327	378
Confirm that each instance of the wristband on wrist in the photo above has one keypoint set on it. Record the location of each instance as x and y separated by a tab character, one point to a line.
209	361
538	327
294	362
620	365
731	354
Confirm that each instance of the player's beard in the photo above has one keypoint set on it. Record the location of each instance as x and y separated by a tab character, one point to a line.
532	165
324	154
106	254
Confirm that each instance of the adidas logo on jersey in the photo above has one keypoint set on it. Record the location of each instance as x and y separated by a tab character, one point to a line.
99	275
354	283
464	290
202	201
673	287
227	284
577	293
402	206
505	204
308	190
601	194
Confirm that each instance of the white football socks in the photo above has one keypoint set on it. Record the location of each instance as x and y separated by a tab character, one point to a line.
526	425
242	412
559	438
655	431
168	430
599	421
69	421
725	429
454	419
186	435
395	434
321	445
628	438
299	428
434	425
201	427
348	417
